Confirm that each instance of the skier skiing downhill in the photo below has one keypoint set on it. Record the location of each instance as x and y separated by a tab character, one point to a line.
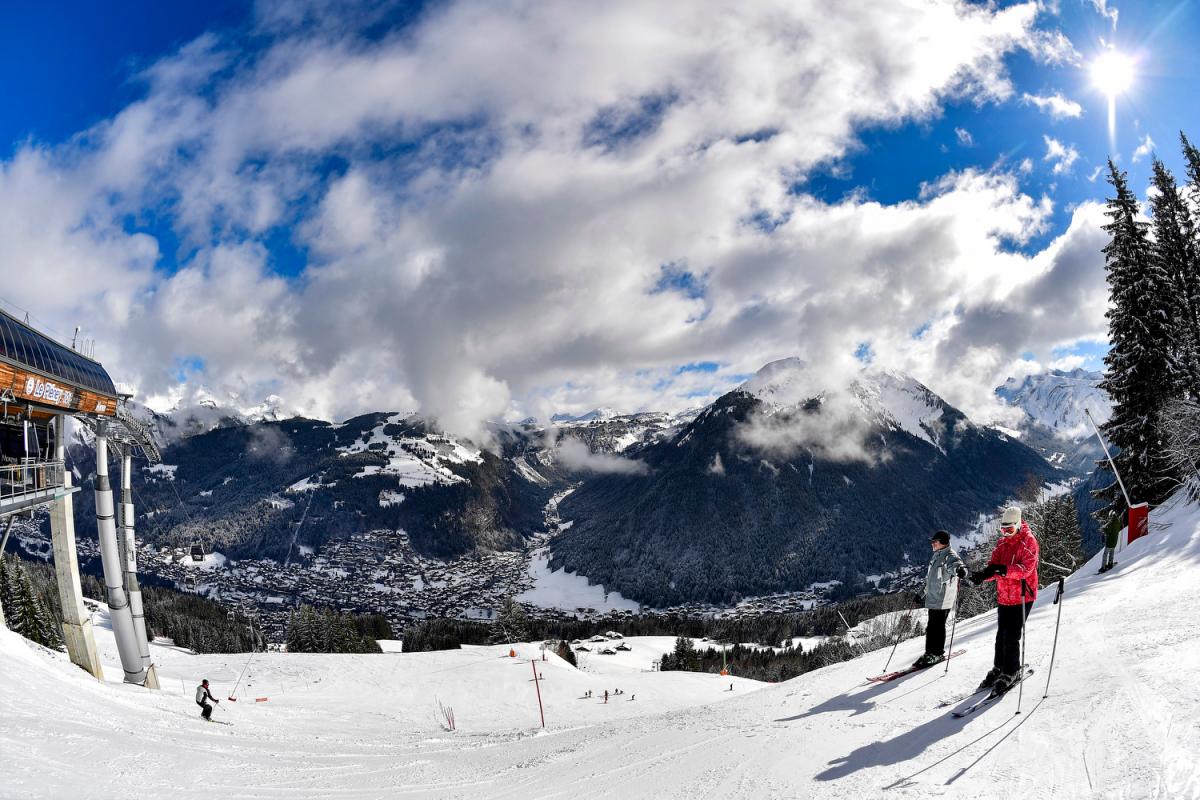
1014	568
941	590
203	695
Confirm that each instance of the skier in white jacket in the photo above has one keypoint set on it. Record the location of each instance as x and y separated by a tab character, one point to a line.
941	590
203	695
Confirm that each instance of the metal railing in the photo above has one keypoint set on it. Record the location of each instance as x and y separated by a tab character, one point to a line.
28	479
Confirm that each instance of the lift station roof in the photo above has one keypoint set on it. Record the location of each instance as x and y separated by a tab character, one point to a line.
35	368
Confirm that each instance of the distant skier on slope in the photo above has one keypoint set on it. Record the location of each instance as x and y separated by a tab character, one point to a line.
203	695
1112	536
1014	568
941	590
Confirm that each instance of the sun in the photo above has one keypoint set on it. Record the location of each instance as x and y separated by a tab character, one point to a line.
1112	72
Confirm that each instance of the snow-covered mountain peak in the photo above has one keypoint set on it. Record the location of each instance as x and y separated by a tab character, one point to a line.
601	413
1057	399
883	397
903	402
785	383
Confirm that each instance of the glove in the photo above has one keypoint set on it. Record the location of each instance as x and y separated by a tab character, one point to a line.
961	572
999	569
918	598
978	578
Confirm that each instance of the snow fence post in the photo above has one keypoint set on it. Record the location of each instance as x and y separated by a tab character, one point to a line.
1054	649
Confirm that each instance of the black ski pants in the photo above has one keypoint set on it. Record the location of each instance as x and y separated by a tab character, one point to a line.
1009	621
206	711
935	631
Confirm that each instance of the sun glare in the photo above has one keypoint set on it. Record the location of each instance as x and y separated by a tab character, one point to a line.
1112	72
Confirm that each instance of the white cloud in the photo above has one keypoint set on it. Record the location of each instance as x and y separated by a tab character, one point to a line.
1053	47
1109	13
1055	105
1063	156
575	455
508	184
1068	363
838	431
964	137
1144	148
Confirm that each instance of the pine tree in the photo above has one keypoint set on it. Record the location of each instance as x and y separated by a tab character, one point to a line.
685	656
1141	372
565	652
1060	538
25	612
303	631
1173	251
511	625
1192	155
6	597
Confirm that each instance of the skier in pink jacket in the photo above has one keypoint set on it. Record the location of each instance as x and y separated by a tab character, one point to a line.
1014	568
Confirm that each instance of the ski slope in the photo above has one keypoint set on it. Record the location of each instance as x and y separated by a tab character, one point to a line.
1122	719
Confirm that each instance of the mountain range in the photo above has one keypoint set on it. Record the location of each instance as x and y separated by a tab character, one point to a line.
777	485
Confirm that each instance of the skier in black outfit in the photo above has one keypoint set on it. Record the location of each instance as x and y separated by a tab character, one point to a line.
203	695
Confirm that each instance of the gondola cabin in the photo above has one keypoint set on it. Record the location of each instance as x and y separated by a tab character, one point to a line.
197	551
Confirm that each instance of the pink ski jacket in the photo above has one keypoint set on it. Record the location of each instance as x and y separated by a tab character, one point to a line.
1019	553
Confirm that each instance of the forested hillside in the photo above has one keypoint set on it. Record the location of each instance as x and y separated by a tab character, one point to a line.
715	520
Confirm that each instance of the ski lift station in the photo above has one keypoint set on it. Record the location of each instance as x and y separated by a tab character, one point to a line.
43	384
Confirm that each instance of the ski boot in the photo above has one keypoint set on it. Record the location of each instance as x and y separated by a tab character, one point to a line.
1006	681
989	680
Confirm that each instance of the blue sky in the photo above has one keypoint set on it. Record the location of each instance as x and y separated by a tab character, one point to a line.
70	65
532	207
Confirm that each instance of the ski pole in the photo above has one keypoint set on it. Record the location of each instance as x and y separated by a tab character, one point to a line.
894	646
1024	614
1074	565
851	632
953	625
1053	650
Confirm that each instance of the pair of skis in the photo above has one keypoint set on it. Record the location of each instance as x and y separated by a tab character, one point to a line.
992	696
891	676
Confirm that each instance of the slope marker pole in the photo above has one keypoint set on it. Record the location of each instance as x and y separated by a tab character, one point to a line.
538	687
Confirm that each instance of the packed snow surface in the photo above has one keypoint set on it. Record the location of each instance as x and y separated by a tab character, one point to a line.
568	591
1121	719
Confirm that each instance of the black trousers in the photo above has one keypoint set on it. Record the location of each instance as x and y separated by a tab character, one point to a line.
207	710
935	631
1009	621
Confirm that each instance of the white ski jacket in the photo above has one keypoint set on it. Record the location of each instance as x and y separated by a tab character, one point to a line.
941	589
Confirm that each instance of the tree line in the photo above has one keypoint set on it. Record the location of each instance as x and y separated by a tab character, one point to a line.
1152	369
312	630
26	610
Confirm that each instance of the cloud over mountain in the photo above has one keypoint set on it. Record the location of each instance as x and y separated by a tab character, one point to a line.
494	208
